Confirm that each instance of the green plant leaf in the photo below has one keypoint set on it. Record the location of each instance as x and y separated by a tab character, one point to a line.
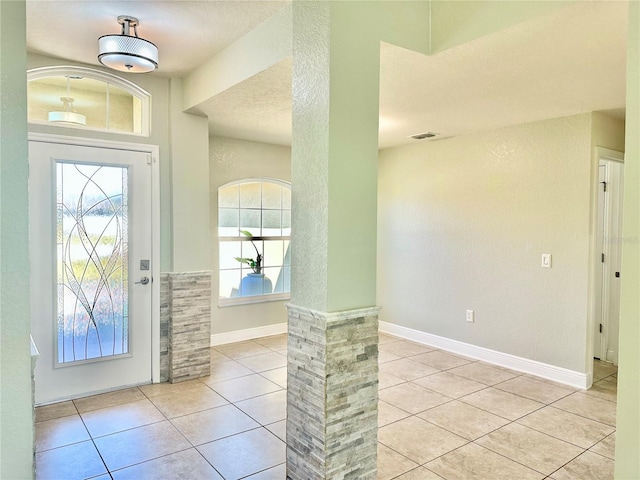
248	261
246	233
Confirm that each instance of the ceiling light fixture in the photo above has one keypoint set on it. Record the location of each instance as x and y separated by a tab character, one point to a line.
128	53
67	115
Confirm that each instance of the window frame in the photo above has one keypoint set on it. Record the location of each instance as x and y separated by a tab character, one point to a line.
98	75
251	299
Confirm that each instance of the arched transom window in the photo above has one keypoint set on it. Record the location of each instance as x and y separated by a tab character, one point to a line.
84	98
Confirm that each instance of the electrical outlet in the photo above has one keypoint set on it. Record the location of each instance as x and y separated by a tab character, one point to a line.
470	316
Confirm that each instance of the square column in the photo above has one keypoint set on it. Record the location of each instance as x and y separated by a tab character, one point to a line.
332	394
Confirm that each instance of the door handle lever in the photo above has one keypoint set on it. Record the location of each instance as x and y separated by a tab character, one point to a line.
143	281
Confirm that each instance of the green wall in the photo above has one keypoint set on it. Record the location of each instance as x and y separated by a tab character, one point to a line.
16	408
628	421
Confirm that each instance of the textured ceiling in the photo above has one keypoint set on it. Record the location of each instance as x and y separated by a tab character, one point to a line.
568	62
185	32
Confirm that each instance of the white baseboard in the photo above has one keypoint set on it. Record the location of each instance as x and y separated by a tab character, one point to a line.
247	334
533	367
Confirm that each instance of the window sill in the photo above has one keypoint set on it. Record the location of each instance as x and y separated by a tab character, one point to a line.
273	297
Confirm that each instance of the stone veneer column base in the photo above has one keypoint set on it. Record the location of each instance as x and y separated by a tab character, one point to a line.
185	326
332	394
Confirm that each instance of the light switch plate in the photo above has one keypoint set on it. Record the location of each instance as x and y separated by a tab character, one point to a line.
546	260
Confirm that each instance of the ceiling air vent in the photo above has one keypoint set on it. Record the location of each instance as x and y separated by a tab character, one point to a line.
421	136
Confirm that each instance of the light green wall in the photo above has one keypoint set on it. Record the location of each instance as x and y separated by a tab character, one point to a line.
334	144
158	87
457	22
462	225
16	407
190	186
232	160
628	421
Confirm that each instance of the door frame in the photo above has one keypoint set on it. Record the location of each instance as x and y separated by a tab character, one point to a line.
154	151
599	154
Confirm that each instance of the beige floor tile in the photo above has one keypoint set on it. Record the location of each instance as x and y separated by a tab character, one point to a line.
266	409
604	389
473	462
275	473
72	462
463	420
589	406
264	361
567	426
412	398
138	445
386	380
387	414
391	463
216	356
239	350
121	417
407	369
385	338
384	357
441	360
188	464
543	392
449	384
528	447
279	429
501	403
418	440
277	376
156	389
606	447
243	388
588	466
213	424
189	401
110	399
274	342
483	373
419	473
59	432
245	453
56	410
603	369
404	348
222	371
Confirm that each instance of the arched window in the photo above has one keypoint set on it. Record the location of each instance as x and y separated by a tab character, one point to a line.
254	231
84	98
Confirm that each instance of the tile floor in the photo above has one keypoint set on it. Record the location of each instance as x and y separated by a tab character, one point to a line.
440	416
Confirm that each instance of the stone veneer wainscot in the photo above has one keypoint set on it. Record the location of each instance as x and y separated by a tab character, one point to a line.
332	396
185	326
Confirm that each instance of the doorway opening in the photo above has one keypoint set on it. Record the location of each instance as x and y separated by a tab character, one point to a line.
607	255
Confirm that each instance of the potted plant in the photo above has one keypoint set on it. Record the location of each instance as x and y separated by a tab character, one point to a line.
253	283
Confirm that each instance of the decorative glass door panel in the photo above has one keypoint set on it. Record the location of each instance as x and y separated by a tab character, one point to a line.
92	263
90	240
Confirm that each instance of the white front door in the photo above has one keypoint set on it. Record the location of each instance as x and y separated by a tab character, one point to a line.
91	270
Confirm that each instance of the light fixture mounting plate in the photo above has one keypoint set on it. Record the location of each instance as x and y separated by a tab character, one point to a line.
133	21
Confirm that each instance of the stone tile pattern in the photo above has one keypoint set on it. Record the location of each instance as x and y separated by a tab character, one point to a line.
165	319
185	325
332	403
